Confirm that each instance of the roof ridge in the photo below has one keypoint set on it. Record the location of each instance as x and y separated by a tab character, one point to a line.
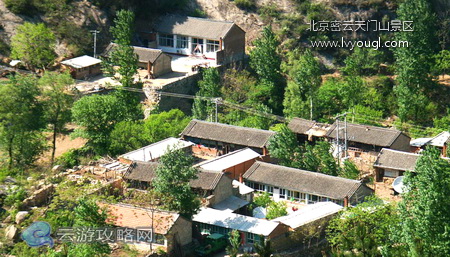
398	151
235	126
312	172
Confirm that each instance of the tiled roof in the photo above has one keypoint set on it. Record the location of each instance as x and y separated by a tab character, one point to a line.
144	54
366	134
300	126
228	133
302	180
146	172
396	160
128	216
194	27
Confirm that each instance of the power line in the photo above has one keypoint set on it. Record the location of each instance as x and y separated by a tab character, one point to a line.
220	101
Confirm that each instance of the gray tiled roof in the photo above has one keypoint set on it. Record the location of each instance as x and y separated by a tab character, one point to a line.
227	133
366	134
396	160
146	172
300	126
144	54
302	180
194	27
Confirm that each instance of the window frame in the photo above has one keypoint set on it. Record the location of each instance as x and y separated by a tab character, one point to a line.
164	40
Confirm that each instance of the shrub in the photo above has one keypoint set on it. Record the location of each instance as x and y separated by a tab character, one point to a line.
69	159
245	4
276	209
18	6
15	197
262	200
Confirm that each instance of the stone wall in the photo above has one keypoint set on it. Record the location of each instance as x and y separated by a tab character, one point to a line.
186	85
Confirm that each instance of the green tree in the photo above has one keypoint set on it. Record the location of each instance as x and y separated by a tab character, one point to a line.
33	44
363	61
130	135
172	180
263	248
262	200
98	114
209	87
266	62
424	212
413	63
284	147
304	72
20	120
276	209
442	62
122	56
362	230
235	243
57	102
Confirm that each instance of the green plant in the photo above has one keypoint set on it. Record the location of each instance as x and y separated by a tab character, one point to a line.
245	4
262	200
276	209
69	159
15	197
235	242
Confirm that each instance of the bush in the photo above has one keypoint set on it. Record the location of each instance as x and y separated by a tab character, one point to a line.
276	209
262	200
15	197
245	4
18	6
69	159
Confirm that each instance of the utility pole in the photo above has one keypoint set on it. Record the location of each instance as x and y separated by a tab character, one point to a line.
345	135
337	140
95	32
216	101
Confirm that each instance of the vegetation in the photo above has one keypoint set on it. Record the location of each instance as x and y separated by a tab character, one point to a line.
425	219
172	181
235	243
209	87
57	103
122	56
362	230
33	44
276	209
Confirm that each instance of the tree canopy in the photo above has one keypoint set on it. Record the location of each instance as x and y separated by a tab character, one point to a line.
33	44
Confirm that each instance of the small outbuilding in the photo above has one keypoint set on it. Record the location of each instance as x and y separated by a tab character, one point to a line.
153	60
83	67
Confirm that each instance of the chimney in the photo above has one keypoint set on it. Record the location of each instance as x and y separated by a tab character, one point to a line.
240	178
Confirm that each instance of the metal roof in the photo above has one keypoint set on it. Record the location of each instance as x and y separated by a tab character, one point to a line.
229	160
230	204
81	62
156	150
309	213
235	221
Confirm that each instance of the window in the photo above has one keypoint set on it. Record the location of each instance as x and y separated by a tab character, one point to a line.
250	238
158	239
166	40
182	42
282	193
197	45
269	189
212	46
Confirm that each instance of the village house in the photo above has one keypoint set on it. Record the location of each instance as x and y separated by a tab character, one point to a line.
392	163
209	221
307	130
153	152
154	61
233	164
364	142
441	141
221	41
212	187
216	139
170	231
83	67
284	183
